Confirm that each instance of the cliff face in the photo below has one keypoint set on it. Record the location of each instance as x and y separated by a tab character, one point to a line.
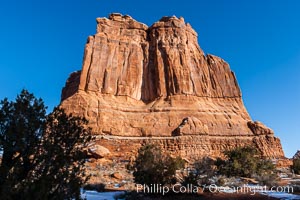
142	83
126	58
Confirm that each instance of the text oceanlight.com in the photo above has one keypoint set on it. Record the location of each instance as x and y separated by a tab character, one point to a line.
177	188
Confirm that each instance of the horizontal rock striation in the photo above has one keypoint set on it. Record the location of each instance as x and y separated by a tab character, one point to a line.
144	82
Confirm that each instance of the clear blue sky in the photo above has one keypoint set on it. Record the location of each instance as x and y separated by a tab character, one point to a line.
42	42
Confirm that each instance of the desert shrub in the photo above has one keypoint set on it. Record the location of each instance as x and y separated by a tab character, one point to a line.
267	179
296	187
192	179
154	167
296	166
244	162
221	181
203	170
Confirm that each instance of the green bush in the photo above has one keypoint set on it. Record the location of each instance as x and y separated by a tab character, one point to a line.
154	167
244	162
267	179
296	166
202	171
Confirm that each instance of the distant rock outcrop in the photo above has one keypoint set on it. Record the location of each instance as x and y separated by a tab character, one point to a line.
155	83
297	155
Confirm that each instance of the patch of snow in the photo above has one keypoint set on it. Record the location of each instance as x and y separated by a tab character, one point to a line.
94	195
282	195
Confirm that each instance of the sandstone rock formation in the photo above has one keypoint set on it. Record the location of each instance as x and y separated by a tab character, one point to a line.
141	83
297	155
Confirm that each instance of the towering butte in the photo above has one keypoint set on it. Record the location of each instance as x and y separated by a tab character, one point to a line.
140	84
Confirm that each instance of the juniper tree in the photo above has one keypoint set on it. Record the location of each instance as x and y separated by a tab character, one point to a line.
22	124
43	155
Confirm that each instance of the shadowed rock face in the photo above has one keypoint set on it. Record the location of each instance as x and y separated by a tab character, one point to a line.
140	82
297	155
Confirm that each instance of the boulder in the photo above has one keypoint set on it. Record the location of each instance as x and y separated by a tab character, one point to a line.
259	128
98	151
117	175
